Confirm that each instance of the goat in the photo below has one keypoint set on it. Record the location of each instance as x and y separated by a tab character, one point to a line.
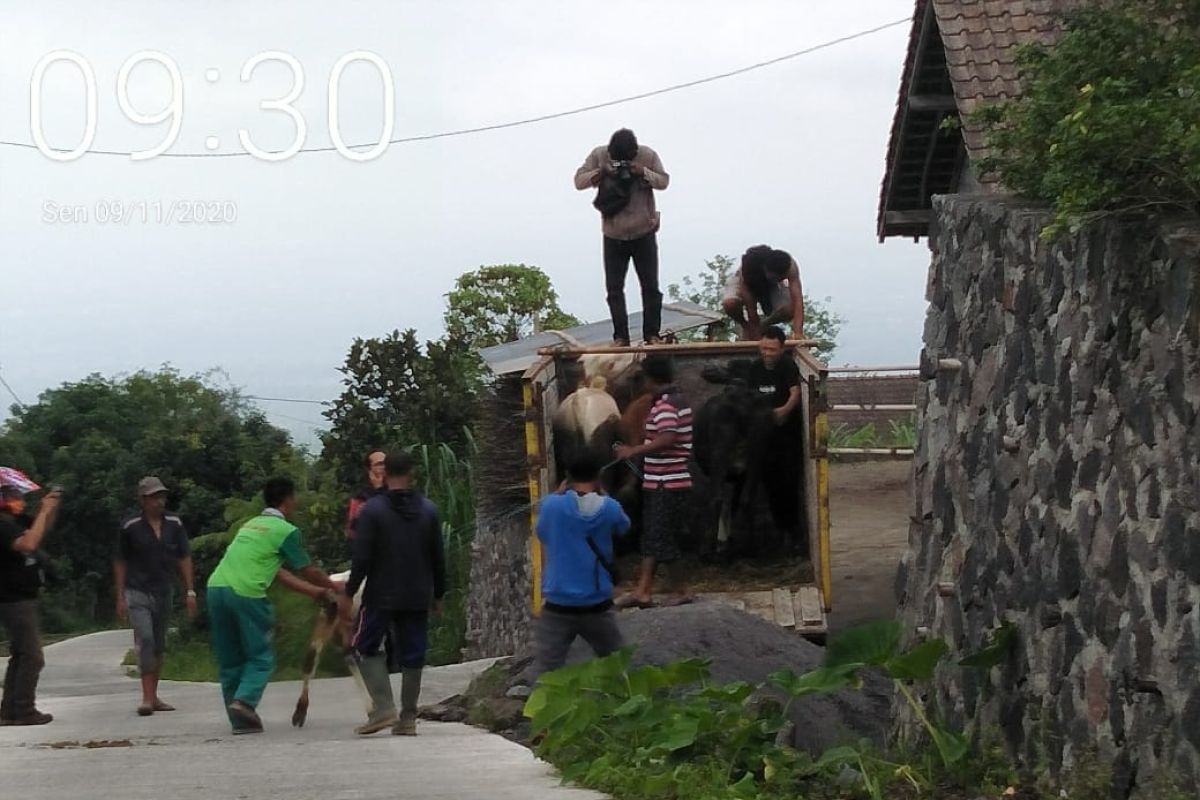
329	626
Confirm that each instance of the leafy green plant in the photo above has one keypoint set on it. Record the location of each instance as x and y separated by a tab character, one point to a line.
901	434
1107	120
643	733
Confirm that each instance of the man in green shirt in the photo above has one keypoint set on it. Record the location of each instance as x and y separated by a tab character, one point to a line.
240	615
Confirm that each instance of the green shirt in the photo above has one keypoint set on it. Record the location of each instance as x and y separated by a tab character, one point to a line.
262	545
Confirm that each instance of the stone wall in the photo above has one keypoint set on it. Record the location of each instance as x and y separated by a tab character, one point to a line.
1057	486
498	605
498	600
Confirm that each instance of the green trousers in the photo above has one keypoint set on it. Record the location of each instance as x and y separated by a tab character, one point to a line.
241	630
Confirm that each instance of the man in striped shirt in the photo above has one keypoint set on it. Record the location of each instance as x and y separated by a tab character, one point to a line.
667	480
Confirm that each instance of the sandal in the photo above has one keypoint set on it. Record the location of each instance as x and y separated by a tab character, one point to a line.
629	601
677	600
159	705
145	710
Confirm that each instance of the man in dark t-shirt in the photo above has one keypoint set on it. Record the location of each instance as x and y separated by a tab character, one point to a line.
151	548
20	581
775	377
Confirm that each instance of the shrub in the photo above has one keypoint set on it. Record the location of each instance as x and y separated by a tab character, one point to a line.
1109	120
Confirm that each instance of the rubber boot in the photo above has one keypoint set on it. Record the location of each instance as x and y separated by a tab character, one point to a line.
379	685
410	691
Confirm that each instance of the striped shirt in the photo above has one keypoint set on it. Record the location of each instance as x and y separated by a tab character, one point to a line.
668	469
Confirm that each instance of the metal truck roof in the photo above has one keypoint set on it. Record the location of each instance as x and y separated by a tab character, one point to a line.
520	355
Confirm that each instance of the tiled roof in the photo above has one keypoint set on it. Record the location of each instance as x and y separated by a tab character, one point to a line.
967	48
981	39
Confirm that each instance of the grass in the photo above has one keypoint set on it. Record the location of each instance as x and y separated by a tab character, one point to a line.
901	434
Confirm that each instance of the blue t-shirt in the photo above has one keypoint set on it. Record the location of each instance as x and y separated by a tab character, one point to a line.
573	576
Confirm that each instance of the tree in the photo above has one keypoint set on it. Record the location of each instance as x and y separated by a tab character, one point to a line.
707	288
98	436
504	303
397	393
1107	120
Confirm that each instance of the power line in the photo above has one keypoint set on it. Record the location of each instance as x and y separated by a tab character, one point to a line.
4	383
313	424
287	400
528	120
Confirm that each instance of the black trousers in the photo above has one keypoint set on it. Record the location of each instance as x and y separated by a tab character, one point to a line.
25	659
644	252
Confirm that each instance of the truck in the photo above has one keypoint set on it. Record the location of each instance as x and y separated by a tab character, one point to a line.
801	606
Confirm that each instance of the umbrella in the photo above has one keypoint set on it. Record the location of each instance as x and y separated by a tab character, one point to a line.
14	477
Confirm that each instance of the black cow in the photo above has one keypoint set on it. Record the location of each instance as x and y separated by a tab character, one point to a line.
743	454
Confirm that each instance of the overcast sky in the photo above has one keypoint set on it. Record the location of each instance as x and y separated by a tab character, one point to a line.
324	249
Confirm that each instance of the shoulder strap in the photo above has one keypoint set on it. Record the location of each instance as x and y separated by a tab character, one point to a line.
604	562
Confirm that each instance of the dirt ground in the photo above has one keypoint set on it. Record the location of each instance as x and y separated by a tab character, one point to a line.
870	504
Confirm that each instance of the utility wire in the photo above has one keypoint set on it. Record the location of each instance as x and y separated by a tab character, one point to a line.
4	383
529	120
287	400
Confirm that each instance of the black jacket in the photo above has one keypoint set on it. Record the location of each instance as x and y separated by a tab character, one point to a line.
398	549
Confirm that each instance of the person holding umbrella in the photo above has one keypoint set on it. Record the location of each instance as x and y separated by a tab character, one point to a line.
20	581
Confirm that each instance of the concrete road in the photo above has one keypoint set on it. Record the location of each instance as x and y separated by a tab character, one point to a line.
98	746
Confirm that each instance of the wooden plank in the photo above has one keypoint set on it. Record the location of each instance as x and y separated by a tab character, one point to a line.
760	604
690	348
808	607
785	616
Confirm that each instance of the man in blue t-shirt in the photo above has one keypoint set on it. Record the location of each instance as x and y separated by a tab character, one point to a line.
576	527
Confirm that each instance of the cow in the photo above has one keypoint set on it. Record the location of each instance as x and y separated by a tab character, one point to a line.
605	409
734	441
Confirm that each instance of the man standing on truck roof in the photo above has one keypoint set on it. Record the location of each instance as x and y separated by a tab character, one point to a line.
775	377
666	483
626	175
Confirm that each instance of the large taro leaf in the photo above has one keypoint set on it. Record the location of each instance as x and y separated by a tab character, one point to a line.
918	663
818	681
951	746
994	653
873	643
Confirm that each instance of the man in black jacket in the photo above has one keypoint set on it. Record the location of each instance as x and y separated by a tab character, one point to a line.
20	581
398	549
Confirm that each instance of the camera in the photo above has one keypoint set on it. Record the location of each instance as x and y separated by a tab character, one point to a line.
622	169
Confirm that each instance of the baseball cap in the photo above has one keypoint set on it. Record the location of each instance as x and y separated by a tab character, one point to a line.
150	485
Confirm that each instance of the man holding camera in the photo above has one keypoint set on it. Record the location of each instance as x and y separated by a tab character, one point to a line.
626	176
20	581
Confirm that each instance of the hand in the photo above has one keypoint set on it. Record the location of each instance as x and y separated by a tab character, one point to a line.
606	168
338	586
122	608
637	170
624	451
50	502
190	604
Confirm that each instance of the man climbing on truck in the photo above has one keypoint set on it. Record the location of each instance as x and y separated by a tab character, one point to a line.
768	279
